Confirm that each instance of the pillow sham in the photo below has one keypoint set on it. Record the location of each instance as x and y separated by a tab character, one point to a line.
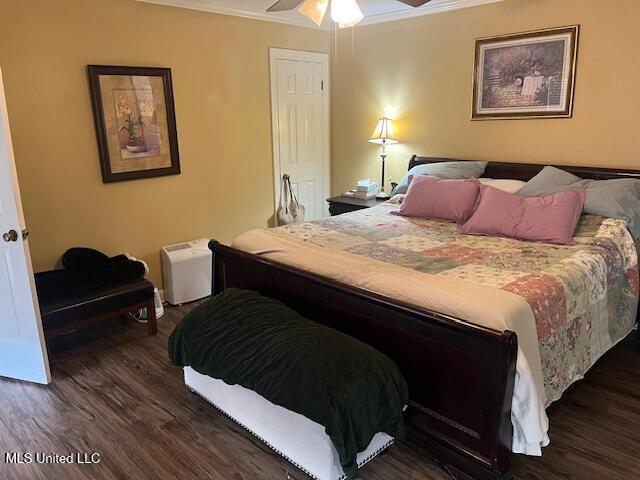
506	185
397	199
616	198
451	170
550	219
440	199
549	180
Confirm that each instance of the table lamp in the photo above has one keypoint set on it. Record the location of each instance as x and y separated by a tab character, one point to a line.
384	134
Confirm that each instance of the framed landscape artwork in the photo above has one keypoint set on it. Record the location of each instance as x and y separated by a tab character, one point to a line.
525	75
135	122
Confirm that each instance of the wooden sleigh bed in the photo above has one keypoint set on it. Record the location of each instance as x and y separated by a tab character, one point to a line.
461	375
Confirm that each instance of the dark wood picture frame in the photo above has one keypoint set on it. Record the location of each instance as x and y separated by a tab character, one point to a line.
108	176
566	85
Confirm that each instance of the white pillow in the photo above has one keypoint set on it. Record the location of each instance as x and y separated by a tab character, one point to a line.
396	199
506	185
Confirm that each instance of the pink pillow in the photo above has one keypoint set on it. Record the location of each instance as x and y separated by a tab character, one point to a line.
551	219
440	199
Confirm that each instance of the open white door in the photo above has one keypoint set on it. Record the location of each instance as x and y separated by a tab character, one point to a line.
23	353
300	122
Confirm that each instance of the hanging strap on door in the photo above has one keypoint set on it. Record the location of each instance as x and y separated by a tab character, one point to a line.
292	196
285	190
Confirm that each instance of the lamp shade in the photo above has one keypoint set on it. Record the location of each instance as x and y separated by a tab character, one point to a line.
346	13
314	9
384	132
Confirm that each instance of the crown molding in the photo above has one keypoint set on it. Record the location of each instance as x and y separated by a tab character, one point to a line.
444	6
301	21
204	6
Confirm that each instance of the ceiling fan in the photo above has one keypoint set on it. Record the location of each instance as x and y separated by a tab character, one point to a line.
345	13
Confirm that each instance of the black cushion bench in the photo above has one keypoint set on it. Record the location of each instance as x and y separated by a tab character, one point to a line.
85	294
64	315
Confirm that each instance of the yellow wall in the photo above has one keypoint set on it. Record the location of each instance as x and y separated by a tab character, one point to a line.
421	70
220	69
418	70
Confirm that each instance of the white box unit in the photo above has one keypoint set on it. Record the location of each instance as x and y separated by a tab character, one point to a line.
186	270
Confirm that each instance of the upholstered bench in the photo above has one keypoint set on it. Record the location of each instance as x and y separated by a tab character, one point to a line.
326	402
90	288
67	314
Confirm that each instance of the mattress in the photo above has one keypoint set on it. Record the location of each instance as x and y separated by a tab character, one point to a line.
567	304
294	437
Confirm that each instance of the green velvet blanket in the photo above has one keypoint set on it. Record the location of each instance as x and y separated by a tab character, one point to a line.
259	343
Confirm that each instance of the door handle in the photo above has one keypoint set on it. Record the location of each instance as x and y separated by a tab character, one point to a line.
10	236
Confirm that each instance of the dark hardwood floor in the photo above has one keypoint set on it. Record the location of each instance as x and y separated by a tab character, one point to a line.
114	393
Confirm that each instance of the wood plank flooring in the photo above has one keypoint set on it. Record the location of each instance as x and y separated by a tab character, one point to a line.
115	393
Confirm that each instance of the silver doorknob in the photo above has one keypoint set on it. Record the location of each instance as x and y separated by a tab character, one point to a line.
10	236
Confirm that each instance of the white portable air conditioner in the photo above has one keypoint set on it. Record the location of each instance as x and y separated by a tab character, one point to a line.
186	270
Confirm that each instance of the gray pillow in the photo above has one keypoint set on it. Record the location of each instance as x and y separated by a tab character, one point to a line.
549	181
442	170
617	198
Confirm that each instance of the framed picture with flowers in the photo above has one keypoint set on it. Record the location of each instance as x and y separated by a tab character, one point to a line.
135	122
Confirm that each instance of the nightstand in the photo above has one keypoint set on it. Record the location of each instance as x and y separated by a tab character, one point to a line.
342	204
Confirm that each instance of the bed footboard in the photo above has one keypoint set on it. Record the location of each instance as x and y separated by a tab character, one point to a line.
460	375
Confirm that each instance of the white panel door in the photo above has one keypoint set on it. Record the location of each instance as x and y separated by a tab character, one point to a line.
23	352
302	150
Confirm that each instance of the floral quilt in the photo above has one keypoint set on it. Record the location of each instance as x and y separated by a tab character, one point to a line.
584	297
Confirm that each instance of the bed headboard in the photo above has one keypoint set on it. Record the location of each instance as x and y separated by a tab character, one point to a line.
526	171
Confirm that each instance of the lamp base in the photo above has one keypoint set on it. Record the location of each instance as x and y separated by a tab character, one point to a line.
382	196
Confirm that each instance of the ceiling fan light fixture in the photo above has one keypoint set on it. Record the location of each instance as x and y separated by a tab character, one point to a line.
314	9
346	13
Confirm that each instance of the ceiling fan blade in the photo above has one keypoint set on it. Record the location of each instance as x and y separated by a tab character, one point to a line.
282	5
415	3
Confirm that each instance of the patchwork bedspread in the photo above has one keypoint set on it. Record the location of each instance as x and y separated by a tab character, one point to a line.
567	304
584	297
